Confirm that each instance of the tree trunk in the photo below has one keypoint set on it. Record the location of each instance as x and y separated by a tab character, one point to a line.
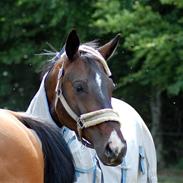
155	106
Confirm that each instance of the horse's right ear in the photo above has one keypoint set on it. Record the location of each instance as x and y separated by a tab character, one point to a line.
72	45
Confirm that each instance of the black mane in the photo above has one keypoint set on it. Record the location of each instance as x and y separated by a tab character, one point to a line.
58	160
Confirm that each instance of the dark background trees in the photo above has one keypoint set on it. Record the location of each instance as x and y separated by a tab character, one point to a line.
148	65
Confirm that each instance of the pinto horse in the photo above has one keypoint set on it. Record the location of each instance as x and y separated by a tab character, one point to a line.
32	151
107	138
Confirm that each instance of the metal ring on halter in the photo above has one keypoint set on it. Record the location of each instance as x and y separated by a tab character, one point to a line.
80	123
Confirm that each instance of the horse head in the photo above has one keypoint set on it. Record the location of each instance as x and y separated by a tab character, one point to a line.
79	92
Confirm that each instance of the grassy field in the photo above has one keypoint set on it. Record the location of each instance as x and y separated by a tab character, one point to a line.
170	176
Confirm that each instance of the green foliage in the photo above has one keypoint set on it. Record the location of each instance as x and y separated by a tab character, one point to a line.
26	26
180	164
154	40
177	3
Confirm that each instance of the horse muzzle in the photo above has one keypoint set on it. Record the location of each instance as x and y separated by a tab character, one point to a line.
113	152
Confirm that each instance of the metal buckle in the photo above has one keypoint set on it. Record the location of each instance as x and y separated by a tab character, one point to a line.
80	123
59	92
61	73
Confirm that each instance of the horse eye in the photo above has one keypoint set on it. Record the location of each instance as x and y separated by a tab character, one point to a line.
79	88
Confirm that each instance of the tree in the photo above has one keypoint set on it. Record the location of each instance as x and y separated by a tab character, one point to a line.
26	26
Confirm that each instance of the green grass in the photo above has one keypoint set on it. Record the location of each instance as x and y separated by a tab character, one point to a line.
170	176
166	179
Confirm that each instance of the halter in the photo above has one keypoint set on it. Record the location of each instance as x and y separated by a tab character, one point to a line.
91	118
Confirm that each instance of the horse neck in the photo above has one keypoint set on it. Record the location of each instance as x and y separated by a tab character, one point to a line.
60	116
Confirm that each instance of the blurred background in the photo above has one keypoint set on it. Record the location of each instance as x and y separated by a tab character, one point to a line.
147	66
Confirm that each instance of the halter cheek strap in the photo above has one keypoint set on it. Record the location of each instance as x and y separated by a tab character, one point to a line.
88	119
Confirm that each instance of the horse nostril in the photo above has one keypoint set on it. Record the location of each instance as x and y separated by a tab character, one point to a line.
111	152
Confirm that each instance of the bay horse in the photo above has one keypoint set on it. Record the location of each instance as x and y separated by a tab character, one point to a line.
32	151
107	138
79	90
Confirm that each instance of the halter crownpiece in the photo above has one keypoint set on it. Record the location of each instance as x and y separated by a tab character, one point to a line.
92	118
97	54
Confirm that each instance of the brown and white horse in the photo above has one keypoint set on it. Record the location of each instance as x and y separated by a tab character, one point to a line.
79	90
32	151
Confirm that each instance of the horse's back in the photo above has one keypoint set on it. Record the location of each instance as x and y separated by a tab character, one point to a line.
21	158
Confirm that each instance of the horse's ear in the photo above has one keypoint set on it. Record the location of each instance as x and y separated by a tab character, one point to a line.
108	49
72	45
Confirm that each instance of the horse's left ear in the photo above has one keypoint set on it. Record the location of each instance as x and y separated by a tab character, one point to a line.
108	49
72	45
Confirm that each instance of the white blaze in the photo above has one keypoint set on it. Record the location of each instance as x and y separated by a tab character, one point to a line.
115	141
98	80
99	83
